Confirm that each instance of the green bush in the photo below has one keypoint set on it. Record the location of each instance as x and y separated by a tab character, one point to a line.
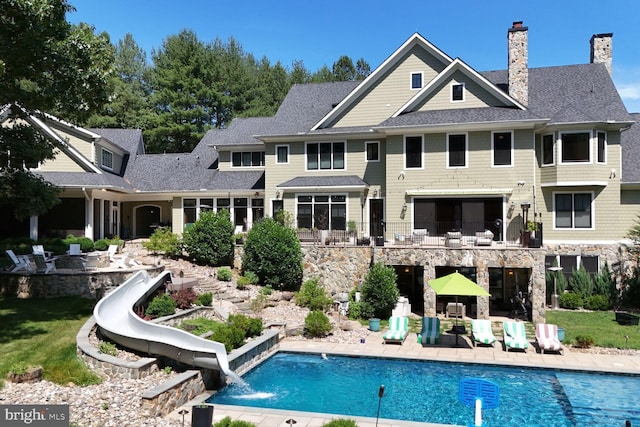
225	274
380	290
250	327
107	348
205	299
604	283
312	295
242	283
161	305
229	335
581	283
597	302
208	240
272	251
86	244
163	240
227	422
253	277
584	341
317	324
266	290
570	300
340	422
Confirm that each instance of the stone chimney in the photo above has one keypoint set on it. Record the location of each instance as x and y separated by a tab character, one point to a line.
518	59
601	50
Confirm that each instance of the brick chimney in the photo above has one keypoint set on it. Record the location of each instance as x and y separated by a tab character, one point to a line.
518	59
601	50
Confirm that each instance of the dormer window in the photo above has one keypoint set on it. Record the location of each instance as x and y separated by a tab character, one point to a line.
107	159
416	80
457	92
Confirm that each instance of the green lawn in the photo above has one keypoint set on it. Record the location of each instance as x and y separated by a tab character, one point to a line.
43	332
600	325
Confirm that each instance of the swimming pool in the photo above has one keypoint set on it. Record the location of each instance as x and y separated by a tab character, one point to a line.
427	391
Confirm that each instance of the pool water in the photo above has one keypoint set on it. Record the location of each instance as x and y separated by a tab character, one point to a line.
427	391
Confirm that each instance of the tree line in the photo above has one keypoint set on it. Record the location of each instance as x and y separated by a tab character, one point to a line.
192	86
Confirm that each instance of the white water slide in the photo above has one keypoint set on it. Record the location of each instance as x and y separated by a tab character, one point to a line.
115	316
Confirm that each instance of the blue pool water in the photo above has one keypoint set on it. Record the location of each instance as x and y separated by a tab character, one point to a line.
426	391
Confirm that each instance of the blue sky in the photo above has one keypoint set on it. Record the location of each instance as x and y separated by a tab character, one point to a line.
318	33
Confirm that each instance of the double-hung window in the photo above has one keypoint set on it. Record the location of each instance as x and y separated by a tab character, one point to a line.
502	143
413	148
325	155
282	154
372	149
601	148
247	158
457	150
548	145
106	159
573	210
322	211
416	80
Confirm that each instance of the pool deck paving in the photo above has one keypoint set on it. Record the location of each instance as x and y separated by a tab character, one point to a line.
445	351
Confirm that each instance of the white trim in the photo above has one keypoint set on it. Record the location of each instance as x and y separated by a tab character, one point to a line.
104	151
464	92
575	184
466	150
416	73
590	147
404	152
319	169
366	152
597	142
287	146
459	191
573	211
554	144
493	158
264	158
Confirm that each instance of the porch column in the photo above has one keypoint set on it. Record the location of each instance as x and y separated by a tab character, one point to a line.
88	217
33	228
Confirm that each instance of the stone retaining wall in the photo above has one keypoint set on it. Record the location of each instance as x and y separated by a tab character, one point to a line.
165	398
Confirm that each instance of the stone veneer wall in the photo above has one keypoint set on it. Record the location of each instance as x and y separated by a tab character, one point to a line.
165	398
84	284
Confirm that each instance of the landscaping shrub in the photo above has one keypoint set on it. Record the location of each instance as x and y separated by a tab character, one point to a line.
225	274
317	324
604	283
580	282
184	298
229	335
266	290
312	295
86	244
205	299
161	305
570	300
250	327
163	240
253	277
380	290
584	341
208	240
340	422
107	348
597	302
242	282
630	294
272	251
227	422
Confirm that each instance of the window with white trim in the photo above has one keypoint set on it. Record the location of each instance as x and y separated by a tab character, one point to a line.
573	210
247	159
601	148
575	147
106	159
322	211
372	150
413	148
416	80
457	150
502	148
325	155
548	157
457	92
282	154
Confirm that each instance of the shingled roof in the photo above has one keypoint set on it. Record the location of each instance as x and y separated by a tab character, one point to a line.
630	142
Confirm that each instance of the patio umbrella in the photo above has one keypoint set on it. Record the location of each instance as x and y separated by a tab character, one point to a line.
455	284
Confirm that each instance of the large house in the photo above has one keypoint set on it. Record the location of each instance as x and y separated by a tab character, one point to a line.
426	150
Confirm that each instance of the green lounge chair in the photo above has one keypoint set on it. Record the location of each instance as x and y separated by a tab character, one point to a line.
430	333
398	329
481	332
515	336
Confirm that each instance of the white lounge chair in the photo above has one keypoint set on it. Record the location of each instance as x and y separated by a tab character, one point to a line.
43	265
547	338
481	332
398	329
20	262
75	249
39	250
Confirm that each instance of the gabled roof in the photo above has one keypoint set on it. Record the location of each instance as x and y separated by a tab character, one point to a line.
630	145
379	73
445	75
129	140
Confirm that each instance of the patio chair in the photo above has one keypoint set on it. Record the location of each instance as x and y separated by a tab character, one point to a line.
547	338
481	332
43	265
74	249
430	333
398	329
91	263
514	336
456	309
39	250
112	250
20	262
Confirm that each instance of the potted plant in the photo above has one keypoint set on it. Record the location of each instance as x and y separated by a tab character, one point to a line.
351	228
